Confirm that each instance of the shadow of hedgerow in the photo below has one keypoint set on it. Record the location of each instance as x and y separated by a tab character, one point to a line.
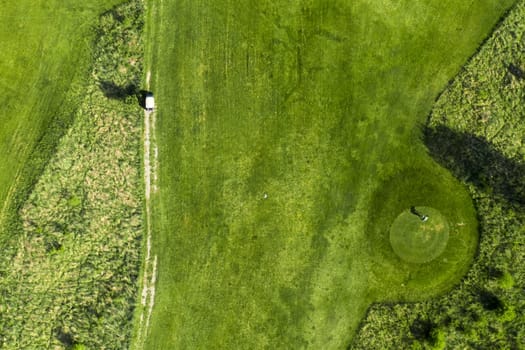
475	160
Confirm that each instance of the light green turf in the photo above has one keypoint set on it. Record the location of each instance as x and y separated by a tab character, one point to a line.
419	239
289	142
45	48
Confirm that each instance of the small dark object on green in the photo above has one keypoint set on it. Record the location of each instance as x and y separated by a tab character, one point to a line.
422	217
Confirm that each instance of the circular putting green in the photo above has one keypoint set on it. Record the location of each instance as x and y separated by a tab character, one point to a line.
419	235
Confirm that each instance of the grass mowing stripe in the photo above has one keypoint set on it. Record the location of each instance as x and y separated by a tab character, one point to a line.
289	143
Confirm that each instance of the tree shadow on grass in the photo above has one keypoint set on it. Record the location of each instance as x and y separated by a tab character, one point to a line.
113	91
475	160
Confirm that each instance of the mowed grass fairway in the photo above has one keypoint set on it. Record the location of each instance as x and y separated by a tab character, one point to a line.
45	49
289	142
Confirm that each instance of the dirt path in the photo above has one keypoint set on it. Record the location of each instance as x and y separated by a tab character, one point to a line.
150	181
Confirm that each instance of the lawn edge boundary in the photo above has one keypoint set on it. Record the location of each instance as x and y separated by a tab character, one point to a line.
363	321
469	59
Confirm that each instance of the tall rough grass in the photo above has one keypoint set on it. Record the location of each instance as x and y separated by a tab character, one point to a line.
73	279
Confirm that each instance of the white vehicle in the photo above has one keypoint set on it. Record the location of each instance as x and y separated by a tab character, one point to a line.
150	103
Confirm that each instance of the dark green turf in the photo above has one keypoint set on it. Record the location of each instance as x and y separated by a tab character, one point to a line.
419	239
317	106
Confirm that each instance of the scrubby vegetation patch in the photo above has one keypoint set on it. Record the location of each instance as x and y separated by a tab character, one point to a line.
73	279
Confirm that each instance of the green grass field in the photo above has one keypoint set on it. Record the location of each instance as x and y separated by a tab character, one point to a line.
289	137
476	131
45	48
421	236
